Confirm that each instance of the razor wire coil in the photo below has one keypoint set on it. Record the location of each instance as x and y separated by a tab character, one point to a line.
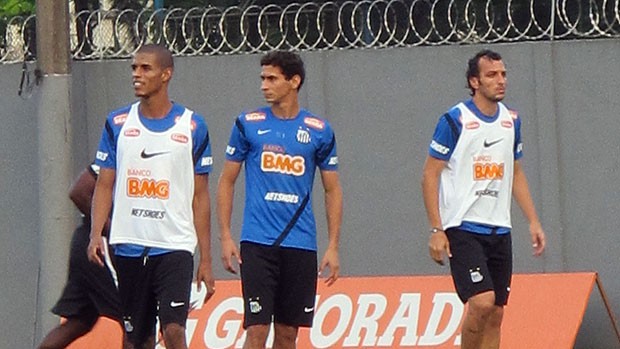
330	25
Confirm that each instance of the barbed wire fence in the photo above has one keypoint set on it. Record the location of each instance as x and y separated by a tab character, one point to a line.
331	25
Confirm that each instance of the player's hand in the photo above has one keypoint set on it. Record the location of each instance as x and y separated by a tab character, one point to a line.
96	250
230	251
538	238
332	261
205	274
438	246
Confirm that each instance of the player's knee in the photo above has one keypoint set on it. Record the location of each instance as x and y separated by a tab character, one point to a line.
285	336
495	316
173	332
256	336
482	305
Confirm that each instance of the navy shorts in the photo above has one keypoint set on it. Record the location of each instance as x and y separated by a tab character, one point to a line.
90	291
480	263
278	284
151	287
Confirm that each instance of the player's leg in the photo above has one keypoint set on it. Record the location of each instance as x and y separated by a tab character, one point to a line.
480	309
473	283
256	336
296	297
74	303
174	336
285	336
172	282
500	268
103	291
67	332
492	330
259	281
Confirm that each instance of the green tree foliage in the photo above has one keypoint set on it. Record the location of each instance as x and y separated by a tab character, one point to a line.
11	8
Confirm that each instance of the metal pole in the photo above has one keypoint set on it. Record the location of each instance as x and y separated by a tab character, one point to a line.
56	214
552	21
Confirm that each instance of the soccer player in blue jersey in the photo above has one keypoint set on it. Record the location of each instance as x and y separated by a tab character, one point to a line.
470	175
155	158
281	145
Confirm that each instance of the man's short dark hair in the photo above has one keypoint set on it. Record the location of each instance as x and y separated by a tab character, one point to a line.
290	63
473	66
164	56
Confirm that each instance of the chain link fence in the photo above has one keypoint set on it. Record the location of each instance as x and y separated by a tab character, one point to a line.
330	25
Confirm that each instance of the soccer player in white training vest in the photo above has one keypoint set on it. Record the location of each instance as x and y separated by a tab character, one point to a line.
471	173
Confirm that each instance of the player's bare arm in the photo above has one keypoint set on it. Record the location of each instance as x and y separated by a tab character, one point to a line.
101	206
333	208
81	192
202	222
225	194
523	197
438	244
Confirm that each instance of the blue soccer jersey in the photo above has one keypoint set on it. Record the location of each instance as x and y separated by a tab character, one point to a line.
281	156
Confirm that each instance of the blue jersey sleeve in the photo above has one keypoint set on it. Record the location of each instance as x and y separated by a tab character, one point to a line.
327	156
518	151
201	151
446	135
238	145
106	152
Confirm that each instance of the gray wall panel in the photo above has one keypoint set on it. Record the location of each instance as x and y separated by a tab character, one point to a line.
19	214
590	170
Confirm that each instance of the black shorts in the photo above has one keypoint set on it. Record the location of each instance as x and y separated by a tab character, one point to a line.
278	284
151	287
90	291
480	263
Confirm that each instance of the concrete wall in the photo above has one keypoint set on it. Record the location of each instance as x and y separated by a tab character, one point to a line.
383	105
18	214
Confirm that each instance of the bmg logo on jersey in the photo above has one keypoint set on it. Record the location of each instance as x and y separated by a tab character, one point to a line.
488	170
282	163
148	188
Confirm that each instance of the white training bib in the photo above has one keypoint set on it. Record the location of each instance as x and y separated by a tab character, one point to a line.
476	185
154	185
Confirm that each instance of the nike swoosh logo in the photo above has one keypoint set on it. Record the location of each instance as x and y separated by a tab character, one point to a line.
174	304
146	155
488	144
307	310
262	132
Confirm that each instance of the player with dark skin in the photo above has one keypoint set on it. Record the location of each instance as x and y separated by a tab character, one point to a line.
152	70
100	298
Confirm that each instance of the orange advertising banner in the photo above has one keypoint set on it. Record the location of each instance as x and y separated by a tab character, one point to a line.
544	311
